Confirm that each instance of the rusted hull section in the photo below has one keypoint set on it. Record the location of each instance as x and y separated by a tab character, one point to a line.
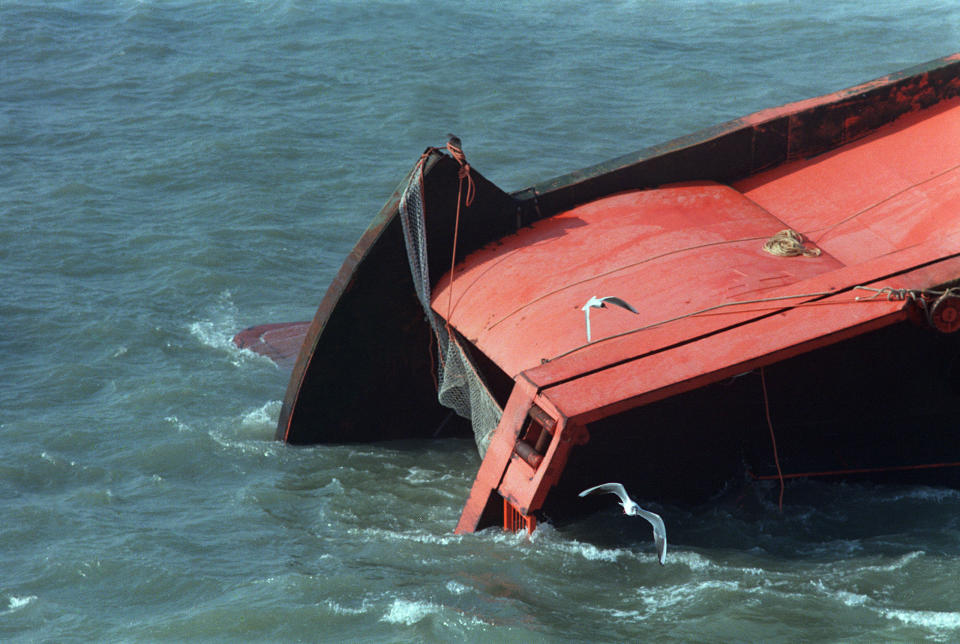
280	342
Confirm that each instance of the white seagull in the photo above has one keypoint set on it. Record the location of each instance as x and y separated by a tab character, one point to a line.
601	303
632	509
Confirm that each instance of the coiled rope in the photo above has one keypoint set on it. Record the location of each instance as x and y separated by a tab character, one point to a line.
789	243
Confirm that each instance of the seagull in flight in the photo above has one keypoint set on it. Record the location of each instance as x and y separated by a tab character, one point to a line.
632	509
601	303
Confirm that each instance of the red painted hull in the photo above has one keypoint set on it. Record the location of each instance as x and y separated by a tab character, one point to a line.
869	177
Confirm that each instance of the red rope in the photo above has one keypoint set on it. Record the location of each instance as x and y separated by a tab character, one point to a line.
861	470
773	438
457	153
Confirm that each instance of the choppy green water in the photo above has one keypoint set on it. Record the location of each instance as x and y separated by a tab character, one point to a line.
173	172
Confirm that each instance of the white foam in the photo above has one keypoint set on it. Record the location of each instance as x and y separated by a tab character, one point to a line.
930	619
54	460
181	426
218	330
592	553
937	495
626	615
845	597
261	421
897	564
377	534
16	603
418	476
456	588
642	552
552	539
212	334
334	486
692	560
661	598
260	448
851	599
339	609
409	612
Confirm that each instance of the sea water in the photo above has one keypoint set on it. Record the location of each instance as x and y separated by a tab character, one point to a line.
172	172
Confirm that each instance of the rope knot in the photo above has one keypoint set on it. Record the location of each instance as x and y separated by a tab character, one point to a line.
455	149
892	294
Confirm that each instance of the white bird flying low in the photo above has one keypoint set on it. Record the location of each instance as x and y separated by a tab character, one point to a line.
632	509
601	303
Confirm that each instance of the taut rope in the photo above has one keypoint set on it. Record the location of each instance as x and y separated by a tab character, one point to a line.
456	152
773	438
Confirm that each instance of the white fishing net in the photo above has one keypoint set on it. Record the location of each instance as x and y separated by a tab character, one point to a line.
460	385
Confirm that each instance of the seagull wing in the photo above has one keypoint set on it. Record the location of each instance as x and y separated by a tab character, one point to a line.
659	532
593	303
611	488
619	302
659	529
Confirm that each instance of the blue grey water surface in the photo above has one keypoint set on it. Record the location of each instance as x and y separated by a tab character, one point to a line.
173	171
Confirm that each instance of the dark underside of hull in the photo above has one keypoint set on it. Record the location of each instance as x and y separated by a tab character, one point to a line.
832	414
366	368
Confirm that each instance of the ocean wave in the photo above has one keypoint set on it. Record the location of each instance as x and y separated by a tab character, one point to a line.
924	493
845	597
217	329
897	564
668	600
410	612
261	422
381	534
591	552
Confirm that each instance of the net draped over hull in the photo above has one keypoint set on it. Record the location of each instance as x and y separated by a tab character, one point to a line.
460	385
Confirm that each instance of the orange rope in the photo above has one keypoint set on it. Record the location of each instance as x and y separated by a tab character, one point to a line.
464	173
773	439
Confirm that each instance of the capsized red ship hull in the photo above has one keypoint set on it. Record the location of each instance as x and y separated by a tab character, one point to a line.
803	353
